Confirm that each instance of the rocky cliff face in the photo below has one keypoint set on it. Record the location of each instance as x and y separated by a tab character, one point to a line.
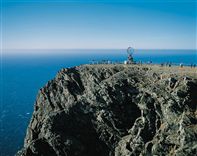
107	110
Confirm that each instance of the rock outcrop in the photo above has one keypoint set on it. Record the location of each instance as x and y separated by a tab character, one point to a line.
121	110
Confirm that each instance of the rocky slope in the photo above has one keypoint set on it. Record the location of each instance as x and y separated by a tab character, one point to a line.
121	110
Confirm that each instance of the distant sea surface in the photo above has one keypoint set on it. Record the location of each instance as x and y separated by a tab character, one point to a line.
23	74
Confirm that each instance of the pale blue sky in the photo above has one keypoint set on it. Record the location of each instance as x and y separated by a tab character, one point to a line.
98	24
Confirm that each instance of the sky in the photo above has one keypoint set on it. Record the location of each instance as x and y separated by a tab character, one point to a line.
104	24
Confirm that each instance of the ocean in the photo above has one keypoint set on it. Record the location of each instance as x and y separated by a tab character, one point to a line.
23	74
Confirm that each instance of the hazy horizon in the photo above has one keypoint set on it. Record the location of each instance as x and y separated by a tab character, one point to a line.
52	52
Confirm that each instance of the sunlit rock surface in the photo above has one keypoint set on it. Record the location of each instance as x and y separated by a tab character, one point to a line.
121	110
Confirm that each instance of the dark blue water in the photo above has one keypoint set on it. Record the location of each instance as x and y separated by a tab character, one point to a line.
23	74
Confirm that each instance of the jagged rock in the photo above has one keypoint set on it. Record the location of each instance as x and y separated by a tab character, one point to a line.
121	110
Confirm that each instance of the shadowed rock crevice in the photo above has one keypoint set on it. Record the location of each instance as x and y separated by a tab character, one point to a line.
107	110
192	95
39	147
76	135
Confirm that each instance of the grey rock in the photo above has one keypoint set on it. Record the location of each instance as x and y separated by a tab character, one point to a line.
106	110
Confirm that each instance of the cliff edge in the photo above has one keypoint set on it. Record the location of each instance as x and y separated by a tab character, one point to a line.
121	110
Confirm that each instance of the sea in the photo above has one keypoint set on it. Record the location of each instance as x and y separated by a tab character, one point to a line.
24	72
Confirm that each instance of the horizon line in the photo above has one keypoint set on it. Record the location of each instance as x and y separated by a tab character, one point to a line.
99	48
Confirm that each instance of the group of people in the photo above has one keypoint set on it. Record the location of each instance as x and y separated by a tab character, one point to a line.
101	62
193	65
167	64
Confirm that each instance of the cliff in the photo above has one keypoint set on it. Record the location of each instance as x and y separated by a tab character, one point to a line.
121	110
